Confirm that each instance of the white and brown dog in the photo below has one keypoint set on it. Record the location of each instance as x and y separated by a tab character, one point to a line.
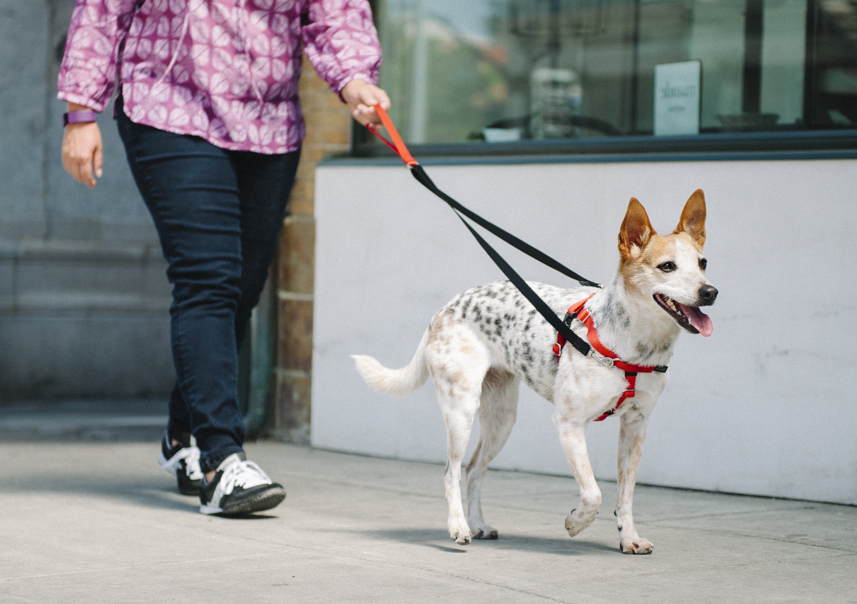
486	340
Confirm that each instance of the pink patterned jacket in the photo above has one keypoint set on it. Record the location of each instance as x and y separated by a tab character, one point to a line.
224	70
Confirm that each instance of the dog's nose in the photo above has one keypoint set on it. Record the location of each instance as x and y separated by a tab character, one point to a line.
707	295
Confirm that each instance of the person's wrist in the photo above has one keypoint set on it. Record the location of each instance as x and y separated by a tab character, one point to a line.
78	116
347	93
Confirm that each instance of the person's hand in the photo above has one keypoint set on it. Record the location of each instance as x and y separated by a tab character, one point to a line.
82	154
361	96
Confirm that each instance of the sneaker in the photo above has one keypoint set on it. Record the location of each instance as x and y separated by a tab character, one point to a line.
182	461
239	487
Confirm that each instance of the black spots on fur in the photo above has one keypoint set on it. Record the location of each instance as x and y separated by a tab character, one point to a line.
525	374
477	313
527	353
529	322
615	313
622	316
644	350
648	350
465	306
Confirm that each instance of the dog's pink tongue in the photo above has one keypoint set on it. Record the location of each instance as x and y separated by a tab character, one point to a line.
700	320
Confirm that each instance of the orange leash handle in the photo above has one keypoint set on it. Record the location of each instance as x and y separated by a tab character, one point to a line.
397	144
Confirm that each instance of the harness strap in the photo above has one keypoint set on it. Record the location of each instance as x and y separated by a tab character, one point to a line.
579	312
631	377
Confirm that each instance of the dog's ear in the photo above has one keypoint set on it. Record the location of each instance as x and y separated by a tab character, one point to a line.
636	229
692	219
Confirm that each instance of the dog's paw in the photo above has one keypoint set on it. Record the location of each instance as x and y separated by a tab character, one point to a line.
485	532
461	537
577	521
637	545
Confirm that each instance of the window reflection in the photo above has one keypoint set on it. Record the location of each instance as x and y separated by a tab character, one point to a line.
507	70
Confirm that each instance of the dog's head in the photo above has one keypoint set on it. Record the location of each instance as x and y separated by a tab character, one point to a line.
669	270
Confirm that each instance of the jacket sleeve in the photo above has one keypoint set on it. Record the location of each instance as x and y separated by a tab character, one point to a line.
95	36
341	42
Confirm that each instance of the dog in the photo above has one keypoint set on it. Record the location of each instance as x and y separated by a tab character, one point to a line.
483	343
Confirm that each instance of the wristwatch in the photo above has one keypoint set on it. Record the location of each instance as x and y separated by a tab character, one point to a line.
78	117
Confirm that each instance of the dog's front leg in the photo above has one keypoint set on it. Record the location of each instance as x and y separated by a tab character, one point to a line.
572	436
632	434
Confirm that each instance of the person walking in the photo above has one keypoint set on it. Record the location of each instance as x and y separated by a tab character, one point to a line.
208	111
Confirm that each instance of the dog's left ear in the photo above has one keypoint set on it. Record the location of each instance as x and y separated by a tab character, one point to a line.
692	219
635	230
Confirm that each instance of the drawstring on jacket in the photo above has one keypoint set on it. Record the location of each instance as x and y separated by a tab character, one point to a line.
175	56
242	32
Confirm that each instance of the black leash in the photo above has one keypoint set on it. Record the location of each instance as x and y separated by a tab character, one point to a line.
398	146
540	305
423	178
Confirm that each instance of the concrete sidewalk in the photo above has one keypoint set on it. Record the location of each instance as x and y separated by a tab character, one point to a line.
87	517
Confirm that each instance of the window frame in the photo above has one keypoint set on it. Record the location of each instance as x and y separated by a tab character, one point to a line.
808	144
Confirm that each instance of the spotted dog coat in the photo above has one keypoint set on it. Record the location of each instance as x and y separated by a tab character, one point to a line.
487	340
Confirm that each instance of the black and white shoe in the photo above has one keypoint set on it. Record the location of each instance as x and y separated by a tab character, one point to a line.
182	461
239	487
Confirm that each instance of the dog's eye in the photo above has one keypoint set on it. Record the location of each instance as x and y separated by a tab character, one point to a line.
703	263
668	267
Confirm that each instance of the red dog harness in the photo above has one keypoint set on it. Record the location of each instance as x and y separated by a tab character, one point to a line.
610	358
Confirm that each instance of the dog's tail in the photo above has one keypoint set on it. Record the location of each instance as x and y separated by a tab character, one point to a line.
394	381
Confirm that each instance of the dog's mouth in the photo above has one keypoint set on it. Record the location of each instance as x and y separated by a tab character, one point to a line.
688	317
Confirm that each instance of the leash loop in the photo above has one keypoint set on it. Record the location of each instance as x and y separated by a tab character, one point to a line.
397	144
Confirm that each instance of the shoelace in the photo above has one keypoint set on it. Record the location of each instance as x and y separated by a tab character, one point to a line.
190	455
243	474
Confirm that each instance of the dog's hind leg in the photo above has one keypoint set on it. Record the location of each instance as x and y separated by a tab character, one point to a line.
497	412
632	434
458	362
572	436
458	414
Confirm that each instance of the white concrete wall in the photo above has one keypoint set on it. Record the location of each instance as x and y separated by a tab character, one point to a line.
766	406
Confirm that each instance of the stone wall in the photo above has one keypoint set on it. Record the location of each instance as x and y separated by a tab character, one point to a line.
328	126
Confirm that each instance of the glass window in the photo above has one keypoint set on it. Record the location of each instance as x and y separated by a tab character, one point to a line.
514	70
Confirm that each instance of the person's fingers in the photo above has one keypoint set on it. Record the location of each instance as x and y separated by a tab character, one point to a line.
85	172
382	99
372	95
98	161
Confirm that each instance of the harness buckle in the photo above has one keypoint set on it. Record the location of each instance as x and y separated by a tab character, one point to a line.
605	361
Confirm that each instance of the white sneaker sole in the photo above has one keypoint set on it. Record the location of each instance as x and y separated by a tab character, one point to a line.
261	501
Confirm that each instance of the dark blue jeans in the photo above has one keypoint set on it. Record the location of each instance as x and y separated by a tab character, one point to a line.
218	214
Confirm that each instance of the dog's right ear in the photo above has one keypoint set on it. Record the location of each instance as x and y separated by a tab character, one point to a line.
636	230
692	219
